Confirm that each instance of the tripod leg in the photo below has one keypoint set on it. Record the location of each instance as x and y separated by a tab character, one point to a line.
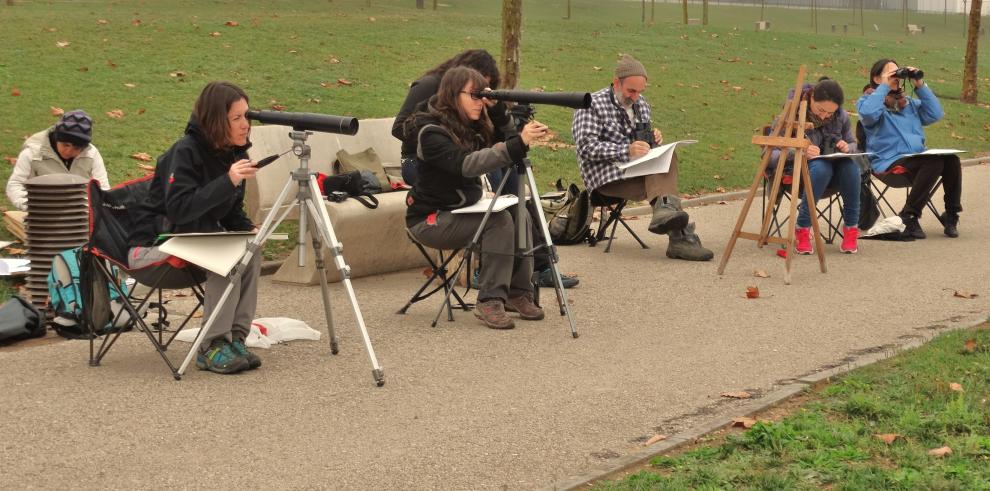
324	289
558	284
319	213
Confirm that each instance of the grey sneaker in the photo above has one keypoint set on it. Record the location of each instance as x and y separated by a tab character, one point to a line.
667	215
685	244
492	314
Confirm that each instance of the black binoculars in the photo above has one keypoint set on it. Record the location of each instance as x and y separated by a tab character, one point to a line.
828	145
644	133
905	72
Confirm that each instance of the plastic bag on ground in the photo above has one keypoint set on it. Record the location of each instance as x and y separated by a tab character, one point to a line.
265	332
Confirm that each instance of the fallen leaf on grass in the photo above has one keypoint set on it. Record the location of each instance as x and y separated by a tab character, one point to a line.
940	452
970	345
752	292
102	22
111	64
737	395
62	44
964	294
956	387
143	157
717	177
596	68
177	74
278	107
344	81
887	438
231	23
141	111
655	438
136	22
743	422
14	91
130	85
115	114
214	34
719	189
57	111
759	273
371	19
147	168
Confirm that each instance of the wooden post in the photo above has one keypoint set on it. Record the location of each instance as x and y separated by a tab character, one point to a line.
969	85
568	9
704	12
684	8
511	38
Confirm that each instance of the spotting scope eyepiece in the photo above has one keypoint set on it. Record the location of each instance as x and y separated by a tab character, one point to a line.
308	121
576	100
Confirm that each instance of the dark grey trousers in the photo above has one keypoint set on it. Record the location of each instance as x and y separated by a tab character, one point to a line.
502	273
237	314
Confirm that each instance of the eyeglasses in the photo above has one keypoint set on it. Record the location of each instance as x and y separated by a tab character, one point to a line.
474	95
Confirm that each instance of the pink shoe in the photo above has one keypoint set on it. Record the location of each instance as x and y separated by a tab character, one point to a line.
802	235
849	236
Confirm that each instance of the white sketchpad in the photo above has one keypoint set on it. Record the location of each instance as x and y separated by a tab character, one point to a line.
265	332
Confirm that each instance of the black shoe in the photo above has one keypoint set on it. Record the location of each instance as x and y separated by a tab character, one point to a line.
951	223
546	279
912	227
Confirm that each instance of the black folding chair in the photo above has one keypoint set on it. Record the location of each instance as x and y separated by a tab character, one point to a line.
438	271
824	212
104	257
612	207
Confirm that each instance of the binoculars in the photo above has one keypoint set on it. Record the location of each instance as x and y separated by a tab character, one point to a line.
644	133
904	72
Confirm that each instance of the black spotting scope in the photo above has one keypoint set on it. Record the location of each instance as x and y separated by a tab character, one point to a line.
308	121
576	100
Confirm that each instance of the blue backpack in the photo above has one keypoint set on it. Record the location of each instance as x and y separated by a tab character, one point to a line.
66	282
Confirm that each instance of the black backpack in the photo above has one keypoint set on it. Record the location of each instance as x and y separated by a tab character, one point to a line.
568	212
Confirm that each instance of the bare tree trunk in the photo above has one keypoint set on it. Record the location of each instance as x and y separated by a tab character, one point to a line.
569	9
419	4
511	37
434	4
643	2
763	8
969	65
704	12
653	10
684	8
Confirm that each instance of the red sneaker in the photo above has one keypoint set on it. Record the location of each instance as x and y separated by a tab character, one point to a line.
802	237
849	236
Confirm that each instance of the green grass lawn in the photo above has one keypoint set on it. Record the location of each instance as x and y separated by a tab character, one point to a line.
716	83
932	397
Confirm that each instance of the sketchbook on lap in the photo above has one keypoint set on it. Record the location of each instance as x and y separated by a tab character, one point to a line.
656	161
932	151
840	155
501	203
217	252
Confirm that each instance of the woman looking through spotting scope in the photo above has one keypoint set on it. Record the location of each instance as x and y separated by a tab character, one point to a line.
456	143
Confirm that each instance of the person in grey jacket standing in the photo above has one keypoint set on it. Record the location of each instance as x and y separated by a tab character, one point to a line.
65	148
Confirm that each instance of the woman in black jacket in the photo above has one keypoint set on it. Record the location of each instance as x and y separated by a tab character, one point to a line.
455	146
199	187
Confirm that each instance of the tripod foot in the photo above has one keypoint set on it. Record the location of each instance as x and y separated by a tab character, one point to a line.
334	347
574	335
379	375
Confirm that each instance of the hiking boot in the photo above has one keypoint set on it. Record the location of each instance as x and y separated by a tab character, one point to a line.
912	228
951	223
849	236
241	349
802	241
546	279
667	215
524	305
221	358
685	244
492	314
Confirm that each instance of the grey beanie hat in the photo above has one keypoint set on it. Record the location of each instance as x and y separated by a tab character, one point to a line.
74	127
629	67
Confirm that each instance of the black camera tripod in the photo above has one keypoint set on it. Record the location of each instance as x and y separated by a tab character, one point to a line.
522	113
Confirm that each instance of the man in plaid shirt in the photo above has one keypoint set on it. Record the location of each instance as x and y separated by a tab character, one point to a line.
611	132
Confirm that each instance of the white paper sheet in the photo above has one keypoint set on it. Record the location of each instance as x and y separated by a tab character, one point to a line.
9	266
481	206
840	155
215	252
656	161
933	151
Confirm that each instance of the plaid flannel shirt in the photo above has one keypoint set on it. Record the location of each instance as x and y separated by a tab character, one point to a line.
602	134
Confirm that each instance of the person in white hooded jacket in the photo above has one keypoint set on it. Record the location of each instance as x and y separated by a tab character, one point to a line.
65	148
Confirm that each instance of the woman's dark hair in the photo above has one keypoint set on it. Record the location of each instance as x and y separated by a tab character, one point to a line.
478	59
211	108
444	107
828	90
877	71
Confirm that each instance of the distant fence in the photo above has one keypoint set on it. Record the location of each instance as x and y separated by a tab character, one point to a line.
932	6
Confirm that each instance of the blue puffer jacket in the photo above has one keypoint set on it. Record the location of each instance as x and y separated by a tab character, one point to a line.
890	134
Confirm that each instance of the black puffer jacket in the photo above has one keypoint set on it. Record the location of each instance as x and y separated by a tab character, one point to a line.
191	191
449	174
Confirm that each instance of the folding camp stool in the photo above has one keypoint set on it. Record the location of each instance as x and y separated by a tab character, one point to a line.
438	271
612	206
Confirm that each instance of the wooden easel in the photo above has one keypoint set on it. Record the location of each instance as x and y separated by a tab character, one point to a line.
787	135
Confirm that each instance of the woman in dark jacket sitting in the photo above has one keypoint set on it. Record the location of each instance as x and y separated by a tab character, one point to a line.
455	146
199	187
